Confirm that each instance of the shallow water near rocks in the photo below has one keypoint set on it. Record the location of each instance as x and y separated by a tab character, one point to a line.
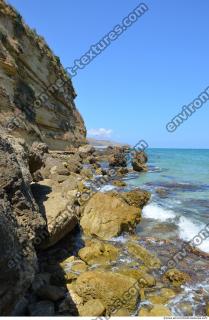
170	218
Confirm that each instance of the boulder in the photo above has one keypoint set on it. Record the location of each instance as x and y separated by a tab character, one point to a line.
157	310
115	291
119	183
97	252
74	163
122	171
118	158
139	161
92	308
59	208
148	258
72	267
176	277
86	150
107	216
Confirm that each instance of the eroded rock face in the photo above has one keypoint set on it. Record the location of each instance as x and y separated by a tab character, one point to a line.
36	94
20	224
106	216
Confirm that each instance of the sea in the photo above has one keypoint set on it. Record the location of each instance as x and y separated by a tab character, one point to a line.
178	180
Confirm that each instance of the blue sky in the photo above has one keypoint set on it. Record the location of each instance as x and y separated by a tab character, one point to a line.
142	79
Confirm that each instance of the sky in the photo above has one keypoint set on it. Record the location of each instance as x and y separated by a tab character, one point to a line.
142	79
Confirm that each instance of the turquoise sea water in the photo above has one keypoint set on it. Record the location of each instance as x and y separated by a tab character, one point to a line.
182	175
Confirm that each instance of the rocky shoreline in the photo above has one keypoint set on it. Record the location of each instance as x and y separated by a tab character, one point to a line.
72	249
69	237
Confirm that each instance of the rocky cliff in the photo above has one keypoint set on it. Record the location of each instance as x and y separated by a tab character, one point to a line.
36	94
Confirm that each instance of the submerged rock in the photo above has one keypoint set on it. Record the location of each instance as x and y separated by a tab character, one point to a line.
106	216
144	279
176	277
163	297
148	258
157	310
119	183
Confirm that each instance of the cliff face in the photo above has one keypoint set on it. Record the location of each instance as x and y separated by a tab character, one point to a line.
36	94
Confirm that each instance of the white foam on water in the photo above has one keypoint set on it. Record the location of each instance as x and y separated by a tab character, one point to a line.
153	211
189	230
107	187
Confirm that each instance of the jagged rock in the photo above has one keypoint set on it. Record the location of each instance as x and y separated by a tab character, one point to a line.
36	93
106	216
176	277
97	252
157	310
36	156
136	198
139	161
149	259
122	171
116	291
20	225
118	158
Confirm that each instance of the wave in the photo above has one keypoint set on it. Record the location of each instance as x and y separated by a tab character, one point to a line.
153	211
187	228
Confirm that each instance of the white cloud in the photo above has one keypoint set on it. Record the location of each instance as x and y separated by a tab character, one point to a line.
100	133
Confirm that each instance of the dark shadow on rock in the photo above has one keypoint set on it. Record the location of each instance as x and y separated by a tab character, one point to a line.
40	193
49	263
